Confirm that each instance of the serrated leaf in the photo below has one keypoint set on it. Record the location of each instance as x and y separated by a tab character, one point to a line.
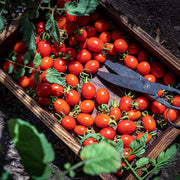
52	27
37	60
157	178
100	158
53	76
10	69
120	147
142	162
153	162
165	157
1	24
34	149
18	73
29	34
27	57
82	8
37	78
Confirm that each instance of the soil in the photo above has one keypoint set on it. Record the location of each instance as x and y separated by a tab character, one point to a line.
150	15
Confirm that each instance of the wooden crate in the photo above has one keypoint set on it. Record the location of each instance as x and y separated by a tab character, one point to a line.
7	39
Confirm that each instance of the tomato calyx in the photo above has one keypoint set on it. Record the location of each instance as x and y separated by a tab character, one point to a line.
103	108
96	136
121	56
85	77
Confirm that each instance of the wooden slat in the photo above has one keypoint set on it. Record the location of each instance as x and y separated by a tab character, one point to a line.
142	37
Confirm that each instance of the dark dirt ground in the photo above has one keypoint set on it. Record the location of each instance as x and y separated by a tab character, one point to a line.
150	15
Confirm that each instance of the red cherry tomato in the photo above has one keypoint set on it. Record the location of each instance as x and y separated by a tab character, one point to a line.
68	122
69	27
80	130
20	46
61	106
102	96
23	81
143	102
143	68
91	32
101	25
157	69
124	103
20	58
70	53
88	90
127	152
45	101
61	21
176	101
100	57
117	34
57	50
108	132
172	114
102	120
72	97
89	141
72	18
85	119
111	49
91	66
75	67
43	89
131	62
60	65
126	126
150	77
95	44
120	45
87	106
95	16
133	48
57	90
81	34
149	123
7	65
83	20
47	62
115	111
169	78
44	48
72	41
60	3
83	56
134	114
141	134
40	27
142	56
72	80
105	36
157	107
127	139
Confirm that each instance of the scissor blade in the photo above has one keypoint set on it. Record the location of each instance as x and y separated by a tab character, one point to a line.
127	82
123	70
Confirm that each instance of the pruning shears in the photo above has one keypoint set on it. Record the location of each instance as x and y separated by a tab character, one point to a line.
129	79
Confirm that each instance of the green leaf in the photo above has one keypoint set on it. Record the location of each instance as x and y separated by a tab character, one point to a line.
82	8
5	11
165	157
1	24
52	27
46	1
19	72
27	57
37	78
10	69
67	165
37	60
100	158
29	34
153	162
120	147
72	174
34	149
53	76
157	178
177	177
142	162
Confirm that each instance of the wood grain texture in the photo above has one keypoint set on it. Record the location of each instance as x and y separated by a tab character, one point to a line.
142	37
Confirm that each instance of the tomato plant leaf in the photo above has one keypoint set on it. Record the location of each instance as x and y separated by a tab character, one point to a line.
165	157
19	72
120	147
82	8
29	34
10	69
95	136
46	1
153	162
34	149
27	57
53	76
37	78
37	60
177	177
100	158
1	24
142	162
52	27
157	178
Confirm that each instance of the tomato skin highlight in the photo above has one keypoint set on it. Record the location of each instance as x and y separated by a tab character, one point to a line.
102	120
124	103
108	133
60	65
47	62
91	66
80	130
143	103
150	77
172	114
44	48
102	96
88	90
148	123
127	139
141	134
115	111
89	141
126	126
43	89
127	151
143	68
57	90
45	101
23	81
176	101
134	114
20	46
157	69
85	119
157	107
101	25
68	122
72	97
61	106
131	62
120	45
87	106
72	80
83	56
75	67
95	44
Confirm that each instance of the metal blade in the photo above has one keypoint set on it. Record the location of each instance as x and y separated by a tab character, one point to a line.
123	70
143	86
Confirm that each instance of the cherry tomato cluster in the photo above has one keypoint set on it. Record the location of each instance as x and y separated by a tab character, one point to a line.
86	42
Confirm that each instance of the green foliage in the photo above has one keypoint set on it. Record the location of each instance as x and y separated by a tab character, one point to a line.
120	147
37	78
19	72
29	34
27	57
142	162
52	27
177	177
10	69
37	60
53	76
100	158
1	24
82	8
34	149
